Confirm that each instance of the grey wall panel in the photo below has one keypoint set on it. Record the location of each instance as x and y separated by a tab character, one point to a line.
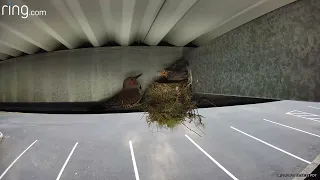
81	75
274	56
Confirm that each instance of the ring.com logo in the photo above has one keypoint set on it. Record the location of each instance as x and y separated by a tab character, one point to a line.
11	9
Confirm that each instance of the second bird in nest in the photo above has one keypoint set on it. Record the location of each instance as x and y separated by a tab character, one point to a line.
175	74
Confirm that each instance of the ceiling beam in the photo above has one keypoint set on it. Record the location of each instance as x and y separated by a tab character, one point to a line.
170	14
80	16
9	51
25	37
149	17
67	15
46	27
3	56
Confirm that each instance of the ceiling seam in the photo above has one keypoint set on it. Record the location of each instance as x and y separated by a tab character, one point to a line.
182	18
154	20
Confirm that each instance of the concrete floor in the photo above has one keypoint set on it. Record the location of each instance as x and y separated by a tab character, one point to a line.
240	143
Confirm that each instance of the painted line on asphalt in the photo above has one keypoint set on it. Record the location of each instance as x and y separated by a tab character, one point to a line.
212	159
65	163
314	107
136	173
310	168
292	128
301	114
4	173
279	149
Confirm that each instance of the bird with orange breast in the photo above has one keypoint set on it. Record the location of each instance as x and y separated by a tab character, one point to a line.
175	74
129	96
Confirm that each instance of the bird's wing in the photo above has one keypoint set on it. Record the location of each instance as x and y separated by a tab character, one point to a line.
124	97
177	75
132	96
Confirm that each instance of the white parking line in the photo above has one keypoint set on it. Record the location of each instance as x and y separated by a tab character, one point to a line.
65	163
304	115
272	146
314	107
136	173
291	128
4	173
208	155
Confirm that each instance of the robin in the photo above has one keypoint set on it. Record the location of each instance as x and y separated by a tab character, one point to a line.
129	96
171	74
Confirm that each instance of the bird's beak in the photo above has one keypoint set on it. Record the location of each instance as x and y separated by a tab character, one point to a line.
137	76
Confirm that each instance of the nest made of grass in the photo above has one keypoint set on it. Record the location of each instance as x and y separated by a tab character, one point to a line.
169	104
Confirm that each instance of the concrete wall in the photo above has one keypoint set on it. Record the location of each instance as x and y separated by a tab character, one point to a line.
80	75
274	56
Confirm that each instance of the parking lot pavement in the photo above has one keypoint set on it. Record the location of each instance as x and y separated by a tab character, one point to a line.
258	141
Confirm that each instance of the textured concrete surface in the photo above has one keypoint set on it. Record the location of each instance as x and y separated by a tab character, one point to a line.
81	75
103	150
275	56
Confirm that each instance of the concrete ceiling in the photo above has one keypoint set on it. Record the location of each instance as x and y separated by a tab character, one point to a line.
78	23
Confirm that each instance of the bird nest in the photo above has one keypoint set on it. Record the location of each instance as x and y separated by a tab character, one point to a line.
170	104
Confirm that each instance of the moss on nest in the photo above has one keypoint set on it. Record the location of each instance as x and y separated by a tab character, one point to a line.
169	104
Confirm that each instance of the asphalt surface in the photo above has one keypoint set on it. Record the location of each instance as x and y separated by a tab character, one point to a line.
237	144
